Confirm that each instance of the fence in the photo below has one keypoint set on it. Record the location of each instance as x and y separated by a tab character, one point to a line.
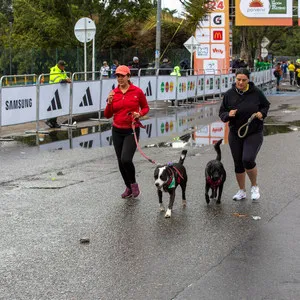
42	101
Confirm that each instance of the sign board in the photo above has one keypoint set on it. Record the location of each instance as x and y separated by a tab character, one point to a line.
264	52
85	30
264	42
191	44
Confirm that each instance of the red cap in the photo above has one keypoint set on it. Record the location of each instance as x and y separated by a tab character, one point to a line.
123	70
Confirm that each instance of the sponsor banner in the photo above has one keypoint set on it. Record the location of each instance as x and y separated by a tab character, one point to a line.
225	83
166	87
166	125
264	13
209	85
86	141
202	35
149	131
182	121
203	51
202	131
218	35
191	86
218	51
59	145
18	105
231	78
86	97
182	88
210	66
106	87
200	85
217	19
54	101
217	129
106	139
148	85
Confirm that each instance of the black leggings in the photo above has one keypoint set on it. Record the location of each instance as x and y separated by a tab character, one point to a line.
244	150
125	146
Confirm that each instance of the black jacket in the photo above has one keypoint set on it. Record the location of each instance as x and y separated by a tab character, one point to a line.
246	103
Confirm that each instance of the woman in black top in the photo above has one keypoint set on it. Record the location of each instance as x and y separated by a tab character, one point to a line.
240	102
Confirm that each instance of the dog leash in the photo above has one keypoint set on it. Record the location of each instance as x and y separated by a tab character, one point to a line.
138	122
253	116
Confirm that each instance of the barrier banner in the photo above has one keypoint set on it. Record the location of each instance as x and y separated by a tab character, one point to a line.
86	97
148	85
106	138
18	105
166	88
86	141
200	85
182	88
166	125
182	121
59	145
191	86
54	101
209	85
224	83
150	131
263	13
106	87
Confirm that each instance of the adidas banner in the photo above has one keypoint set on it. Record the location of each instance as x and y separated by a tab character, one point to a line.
87	141
18	105
55	101
86	97
148	86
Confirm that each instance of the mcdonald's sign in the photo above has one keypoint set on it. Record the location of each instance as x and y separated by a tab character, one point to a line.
217	35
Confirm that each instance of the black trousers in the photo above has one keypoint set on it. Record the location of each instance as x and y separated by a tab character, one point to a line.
125	147
244	150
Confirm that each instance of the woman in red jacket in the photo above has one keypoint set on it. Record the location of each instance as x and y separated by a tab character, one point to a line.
125	102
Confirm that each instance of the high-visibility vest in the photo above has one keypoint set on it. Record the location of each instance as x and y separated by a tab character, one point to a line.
57	75
176	71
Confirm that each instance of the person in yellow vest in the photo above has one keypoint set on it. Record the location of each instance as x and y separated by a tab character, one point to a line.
291	68
176	71
57	75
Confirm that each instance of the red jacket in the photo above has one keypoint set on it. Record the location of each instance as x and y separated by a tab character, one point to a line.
134	100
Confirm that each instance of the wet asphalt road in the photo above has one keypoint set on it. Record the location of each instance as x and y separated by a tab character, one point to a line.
202	252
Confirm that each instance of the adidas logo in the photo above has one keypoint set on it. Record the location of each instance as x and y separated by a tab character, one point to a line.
87	99
148	89
109	139
149	130
55	102
88	144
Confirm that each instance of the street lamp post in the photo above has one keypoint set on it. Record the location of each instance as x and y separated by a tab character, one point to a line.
158	34
10	59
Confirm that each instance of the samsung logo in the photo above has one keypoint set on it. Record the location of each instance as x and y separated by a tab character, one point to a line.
18	104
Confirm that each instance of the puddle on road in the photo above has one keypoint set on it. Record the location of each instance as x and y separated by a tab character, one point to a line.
198	125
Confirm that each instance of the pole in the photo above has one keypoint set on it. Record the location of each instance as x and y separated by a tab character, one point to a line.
158	34
93	60
85	49
10	58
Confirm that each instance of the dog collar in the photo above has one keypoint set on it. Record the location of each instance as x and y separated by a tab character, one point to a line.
214	184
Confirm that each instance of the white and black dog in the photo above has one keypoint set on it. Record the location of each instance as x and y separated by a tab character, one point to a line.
167	178
215	176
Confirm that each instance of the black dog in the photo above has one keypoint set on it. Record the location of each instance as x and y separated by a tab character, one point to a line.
215	176
168	177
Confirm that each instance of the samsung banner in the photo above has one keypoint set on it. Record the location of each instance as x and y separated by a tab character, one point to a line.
18	105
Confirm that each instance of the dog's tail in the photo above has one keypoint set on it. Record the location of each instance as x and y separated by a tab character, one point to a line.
218	149
182	156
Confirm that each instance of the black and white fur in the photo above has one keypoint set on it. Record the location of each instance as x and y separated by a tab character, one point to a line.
215	176
163	175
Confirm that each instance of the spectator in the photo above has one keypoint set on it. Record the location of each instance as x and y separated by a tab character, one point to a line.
135	66
166	66
114	67
176	71
104	70
277	73
291	68
57	75
284	68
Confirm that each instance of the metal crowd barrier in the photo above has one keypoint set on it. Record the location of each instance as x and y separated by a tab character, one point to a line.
39	100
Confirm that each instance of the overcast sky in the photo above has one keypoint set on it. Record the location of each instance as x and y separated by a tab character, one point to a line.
172	4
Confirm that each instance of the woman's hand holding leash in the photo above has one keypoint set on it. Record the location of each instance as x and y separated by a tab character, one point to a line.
259	115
